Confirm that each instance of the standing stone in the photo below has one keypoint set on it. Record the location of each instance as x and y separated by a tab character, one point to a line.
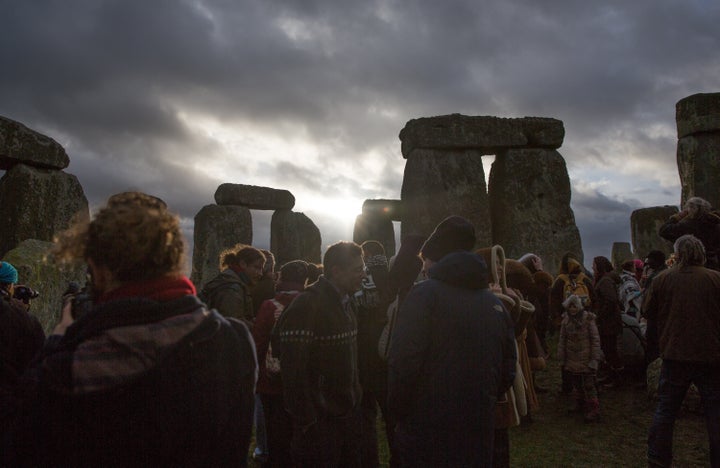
217	228
530	206
644	226
375	227
39	271
698	160
293	236
254	197
621	252
698	113
391	209
440	183
20	145
37	204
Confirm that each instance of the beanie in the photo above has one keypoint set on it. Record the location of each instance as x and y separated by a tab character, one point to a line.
8	273
452	234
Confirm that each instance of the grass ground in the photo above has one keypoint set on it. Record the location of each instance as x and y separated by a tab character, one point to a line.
558	439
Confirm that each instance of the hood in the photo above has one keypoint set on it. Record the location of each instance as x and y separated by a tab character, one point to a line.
462	269
225	277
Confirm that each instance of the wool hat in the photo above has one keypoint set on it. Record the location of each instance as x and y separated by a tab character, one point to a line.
452	234
8	273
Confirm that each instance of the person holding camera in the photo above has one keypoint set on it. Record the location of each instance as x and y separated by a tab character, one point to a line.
149	376
21	338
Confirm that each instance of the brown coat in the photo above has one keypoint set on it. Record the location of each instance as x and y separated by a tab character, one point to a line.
685	303
579	345
606	305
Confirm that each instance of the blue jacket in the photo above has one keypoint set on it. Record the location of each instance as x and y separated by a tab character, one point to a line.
452	351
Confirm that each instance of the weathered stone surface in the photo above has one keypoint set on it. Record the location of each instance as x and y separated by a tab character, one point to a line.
530	206
254	197
391	209
698	160
377	227
217	228
293	236
621	252
485	134
644	226
698	113
438	184
39	271
19	144
37	204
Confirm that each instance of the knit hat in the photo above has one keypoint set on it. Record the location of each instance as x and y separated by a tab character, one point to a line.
8	273
452	234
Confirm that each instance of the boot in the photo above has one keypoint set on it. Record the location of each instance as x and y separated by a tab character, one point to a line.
592	410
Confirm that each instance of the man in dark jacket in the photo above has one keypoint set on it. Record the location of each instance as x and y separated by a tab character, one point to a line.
452	353
685	303
316	338
698	219
148	377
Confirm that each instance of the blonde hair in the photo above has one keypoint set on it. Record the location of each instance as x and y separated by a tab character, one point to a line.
134	236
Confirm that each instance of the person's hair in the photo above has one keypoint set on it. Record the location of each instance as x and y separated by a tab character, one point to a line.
702	205
655	258
628	265
134	236
240	253
572	299
314	272
689	251
340	254
295	271
269	266
603	266
371	248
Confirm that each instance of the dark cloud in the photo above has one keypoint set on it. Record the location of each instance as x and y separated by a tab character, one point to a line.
119	83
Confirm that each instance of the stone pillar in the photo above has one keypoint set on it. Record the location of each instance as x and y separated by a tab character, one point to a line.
530	206
375	227
293	236
698	150
37	204
217	228
644	226
620	253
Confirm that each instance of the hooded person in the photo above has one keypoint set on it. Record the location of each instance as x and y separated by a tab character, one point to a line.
697	218
451	354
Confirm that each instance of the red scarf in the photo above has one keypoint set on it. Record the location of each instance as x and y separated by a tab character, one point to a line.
163	289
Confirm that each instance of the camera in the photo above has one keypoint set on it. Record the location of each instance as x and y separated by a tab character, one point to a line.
80	298
24	293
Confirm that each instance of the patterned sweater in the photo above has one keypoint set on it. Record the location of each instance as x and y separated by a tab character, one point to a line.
316	339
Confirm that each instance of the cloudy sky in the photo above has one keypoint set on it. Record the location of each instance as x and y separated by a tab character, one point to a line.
177	97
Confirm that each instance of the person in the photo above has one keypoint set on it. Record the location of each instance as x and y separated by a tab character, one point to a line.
21	338
654	265
230	291
150	376
452	353
629	290
607	308
579	355
262	289
685	302
316	340
698	219
371	304
291	282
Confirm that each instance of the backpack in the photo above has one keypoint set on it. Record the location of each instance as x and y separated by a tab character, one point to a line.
577	286
272	363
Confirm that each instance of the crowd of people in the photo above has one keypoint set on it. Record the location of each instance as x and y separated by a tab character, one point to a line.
441	340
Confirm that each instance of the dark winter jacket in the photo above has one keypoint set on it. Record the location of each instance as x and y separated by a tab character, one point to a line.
229	293
452	351
137	382
706	227
684	302
316	338
606	304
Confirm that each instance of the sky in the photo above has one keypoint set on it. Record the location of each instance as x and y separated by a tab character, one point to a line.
177	97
